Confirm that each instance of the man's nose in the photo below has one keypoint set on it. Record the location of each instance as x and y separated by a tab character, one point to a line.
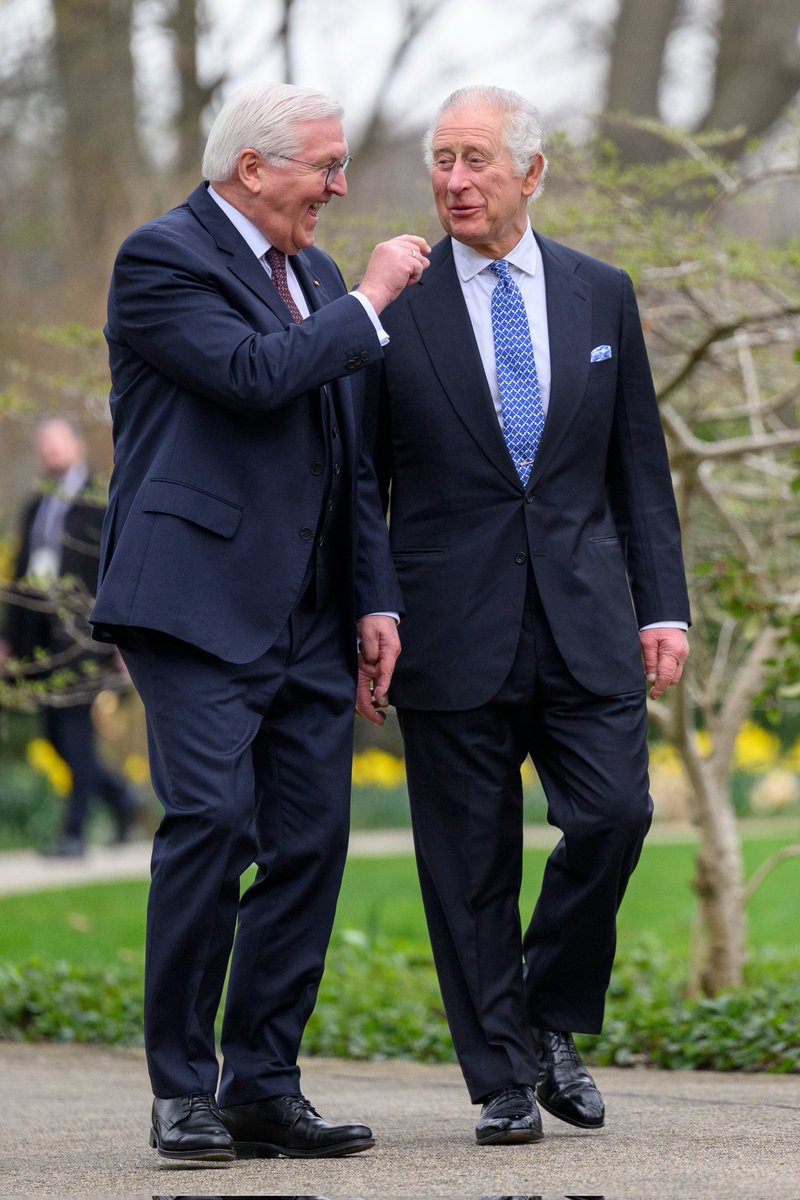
460	177
338	185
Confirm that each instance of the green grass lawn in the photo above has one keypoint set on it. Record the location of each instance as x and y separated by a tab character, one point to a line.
104	923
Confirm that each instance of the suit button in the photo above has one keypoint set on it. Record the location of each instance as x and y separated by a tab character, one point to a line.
365	355
353	364
520	558
306	533
330	506
529	497
316	468
337	470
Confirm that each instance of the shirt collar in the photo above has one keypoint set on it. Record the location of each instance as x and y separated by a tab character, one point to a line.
250	232
526	255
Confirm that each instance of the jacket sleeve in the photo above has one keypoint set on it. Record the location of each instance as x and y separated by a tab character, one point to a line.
182	315
640	484
377	589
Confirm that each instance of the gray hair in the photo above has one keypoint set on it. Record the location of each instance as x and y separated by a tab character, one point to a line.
523	134
265	118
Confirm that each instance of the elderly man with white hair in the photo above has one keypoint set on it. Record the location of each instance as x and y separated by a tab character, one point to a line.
244	555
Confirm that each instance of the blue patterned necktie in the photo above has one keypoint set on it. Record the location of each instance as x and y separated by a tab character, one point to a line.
522	412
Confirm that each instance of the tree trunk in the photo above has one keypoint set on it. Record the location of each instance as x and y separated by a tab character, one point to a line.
102	159
719	884
193	95
719	939
758	67
283	37
757	71
635	73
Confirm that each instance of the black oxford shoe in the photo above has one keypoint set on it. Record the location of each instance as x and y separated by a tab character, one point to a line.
190	1127
289	1125
565	1088
509	1116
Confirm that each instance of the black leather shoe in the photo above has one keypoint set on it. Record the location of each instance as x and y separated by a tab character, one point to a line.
508	1116
289	1125
565	1088
190	1127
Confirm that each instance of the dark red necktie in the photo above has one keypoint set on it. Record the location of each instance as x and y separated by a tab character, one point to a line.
276	261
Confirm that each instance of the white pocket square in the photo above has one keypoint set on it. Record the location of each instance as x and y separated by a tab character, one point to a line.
599	353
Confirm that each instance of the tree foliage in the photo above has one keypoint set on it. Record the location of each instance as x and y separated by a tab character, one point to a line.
722	320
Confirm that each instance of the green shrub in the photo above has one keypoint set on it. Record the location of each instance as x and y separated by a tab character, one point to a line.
380	1000
64	1002
30	812
649	1021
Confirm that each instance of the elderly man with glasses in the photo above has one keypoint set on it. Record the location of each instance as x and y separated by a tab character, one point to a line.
243	551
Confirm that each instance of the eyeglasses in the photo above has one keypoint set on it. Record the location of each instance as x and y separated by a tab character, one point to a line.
331	169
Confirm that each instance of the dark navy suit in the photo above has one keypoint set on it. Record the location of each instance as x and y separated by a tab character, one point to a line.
243	538
520	637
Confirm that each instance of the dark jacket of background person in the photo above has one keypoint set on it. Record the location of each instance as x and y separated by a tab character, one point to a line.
47	628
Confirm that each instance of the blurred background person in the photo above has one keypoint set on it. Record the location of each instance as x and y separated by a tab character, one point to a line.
55	577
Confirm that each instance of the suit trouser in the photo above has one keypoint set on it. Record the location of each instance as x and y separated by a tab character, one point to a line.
72	733
252	763
465	789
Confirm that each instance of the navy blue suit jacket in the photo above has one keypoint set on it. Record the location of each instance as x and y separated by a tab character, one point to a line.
217	490
596	523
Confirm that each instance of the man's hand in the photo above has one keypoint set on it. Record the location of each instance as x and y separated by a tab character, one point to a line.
392	266
664	651
380	646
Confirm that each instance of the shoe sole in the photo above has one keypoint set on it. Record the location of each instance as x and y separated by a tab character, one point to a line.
210	1155
570	1120
511	1137
270	1150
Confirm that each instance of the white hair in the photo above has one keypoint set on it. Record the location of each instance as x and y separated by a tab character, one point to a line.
266	119
523	134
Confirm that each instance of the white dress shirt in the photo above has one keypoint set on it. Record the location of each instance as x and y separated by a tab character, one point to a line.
260	245
478	282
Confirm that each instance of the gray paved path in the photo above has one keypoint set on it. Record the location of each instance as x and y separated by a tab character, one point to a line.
74	1124
74	1119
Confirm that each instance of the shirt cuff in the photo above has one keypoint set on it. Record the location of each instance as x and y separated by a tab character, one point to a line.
383	336
665	625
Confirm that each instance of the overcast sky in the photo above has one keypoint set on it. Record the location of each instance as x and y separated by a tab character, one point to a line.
551	50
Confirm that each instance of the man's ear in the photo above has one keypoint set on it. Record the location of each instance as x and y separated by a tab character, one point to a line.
533	176
249	164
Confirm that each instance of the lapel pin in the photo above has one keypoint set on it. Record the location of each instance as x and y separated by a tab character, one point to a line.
316	283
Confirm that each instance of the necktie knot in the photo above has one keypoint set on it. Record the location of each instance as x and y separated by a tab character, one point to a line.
501	269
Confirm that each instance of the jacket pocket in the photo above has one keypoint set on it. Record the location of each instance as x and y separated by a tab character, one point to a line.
415	550
192	504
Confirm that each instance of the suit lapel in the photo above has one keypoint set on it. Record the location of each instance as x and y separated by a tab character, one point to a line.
320	289
438	308
315	290
243	262
569	315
